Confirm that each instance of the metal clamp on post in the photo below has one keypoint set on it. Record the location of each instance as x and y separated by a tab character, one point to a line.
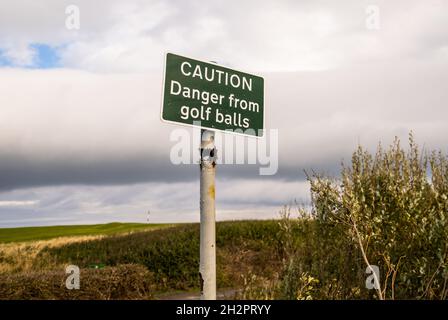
208	150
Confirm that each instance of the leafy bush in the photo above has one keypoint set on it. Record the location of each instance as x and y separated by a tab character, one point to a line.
389	209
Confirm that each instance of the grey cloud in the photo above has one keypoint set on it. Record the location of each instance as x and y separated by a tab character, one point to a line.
19	173
105	129
167	202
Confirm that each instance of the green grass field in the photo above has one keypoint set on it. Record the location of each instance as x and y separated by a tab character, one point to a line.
155	262
8	235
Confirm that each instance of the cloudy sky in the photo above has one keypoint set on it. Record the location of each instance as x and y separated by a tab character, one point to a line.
81	139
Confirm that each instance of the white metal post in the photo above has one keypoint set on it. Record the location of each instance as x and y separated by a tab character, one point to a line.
207	264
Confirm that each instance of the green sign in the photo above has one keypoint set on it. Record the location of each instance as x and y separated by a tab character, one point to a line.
212	96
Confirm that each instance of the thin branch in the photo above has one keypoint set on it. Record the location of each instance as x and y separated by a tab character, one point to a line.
395	276
380	294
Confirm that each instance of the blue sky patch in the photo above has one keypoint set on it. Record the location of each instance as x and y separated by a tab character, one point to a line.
46	57
3	61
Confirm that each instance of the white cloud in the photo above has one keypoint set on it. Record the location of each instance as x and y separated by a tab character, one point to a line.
253	35
12	203
19	54
71	112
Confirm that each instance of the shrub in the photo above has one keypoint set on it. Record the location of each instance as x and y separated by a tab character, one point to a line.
389	209
121	282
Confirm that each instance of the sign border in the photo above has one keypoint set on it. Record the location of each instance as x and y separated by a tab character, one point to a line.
203	127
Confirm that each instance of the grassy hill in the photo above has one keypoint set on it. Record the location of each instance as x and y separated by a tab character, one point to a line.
8	235
153	262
